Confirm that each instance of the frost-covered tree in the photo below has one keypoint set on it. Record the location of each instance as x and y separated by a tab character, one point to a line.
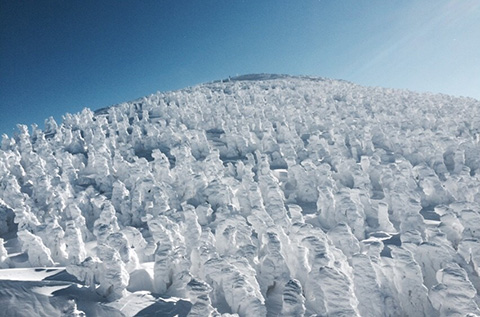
293	300
3	255
52	236
113	275
38	253
106	223
119	242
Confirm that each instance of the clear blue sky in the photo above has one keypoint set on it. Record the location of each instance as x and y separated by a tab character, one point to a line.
61	56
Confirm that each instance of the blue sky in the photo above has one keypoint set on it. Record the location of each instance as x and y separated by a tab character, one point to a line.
61	56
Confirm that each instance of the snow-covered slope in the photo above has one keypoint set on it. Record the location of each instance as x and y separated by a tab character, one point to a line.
258	195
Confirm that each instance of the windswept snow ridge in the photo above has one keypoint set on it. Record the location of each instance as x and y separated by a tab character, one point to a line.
261	195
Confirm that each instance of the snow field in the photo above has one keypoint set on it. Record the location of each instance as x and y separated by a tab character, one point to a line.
258	195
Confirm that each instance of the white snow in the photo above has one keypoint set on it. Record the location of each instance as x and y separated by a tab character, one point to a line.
27	274
261	195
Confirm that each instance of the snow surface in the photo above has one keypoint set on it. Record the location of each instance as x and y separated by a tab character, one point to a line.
260	195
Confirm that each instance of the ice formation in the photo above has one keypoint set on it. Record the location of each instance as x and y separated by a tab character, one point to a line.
261	195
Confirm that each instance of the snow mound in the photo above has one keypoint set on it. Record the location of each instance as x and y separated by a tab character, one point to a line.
258	195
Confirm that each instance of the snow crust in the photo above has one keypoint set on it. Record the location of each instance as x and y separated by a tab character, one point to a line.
261	195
